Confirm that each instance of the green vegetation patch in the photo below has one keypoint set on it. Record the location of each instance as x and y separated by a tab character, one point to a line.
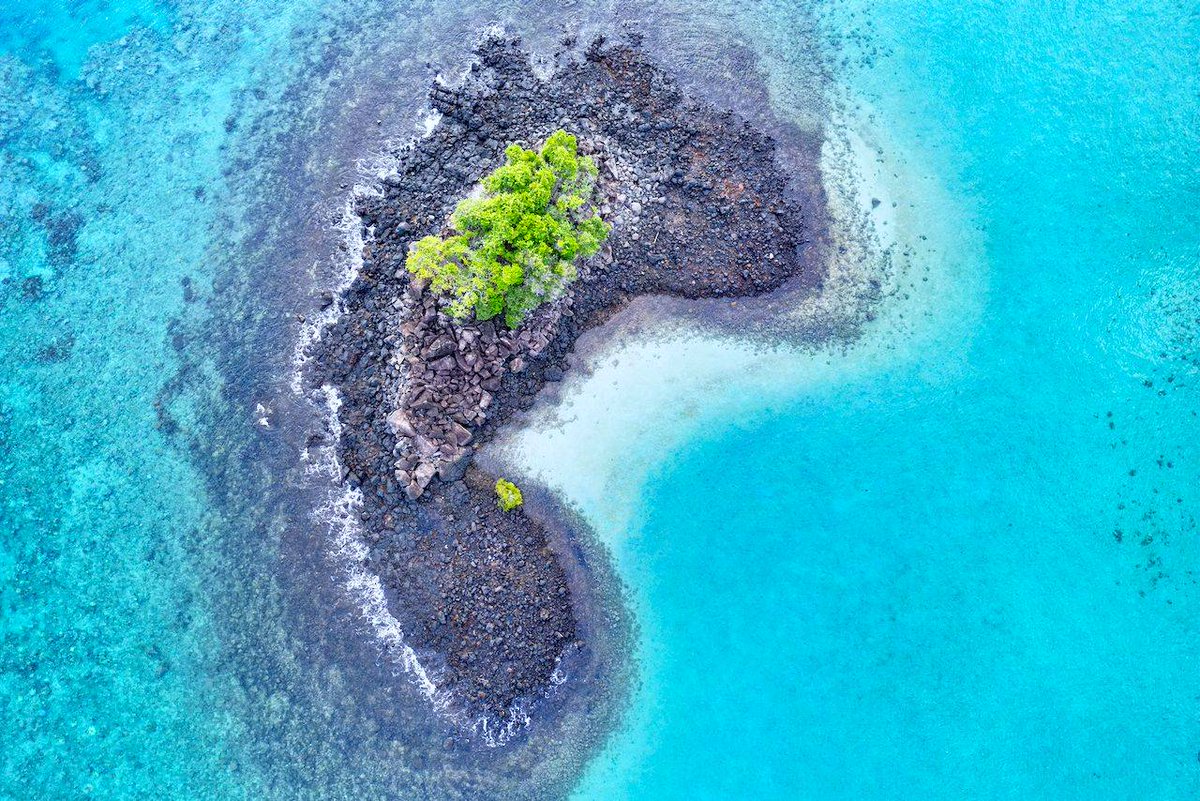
509	494
516	246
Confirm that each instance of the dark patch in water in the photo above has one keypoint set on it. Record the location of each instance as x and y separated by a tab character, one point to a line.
33	288
57	351
61	235
189	292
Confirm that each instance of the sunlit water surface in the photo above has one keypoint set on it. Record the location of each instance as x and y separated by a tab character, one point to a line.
952	560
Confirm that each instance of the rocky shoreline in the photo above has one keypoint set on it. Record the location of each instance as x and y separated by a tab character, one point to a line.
700	207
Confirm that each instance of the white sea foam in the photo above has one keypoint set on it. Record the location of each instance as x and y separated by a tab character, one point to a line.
349	237
429	121
347	267
340	514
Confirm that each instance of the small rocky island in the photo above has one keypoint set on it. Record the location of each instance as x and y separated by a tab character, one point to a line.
694	203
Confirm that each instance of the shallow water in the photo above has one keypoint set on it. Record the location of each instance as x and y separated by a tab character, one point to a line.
956	559
889	568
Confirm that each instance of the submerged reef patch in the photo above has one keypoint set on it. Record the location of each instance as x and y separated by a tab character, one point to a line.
699	207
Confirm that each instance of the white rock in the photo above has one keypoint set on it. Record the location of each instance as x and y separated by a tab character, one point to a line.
399	425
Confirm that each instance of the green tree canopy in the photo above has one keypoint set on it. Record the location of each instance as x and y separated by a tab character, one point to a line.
509	494
516	246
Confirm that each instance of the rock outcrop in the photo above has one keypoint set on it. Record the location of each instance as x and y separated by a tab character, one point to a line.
700	207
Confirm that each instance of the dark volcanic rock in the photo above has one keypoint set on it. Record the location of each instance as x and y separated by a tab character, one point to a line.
700	208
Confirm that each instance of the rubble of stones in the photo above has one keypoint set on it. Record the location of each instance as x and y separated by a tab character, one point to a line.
450	371
699	207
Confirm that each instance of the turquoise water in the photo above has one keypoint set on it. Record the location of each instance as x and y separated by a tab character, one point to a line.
969	573
902	578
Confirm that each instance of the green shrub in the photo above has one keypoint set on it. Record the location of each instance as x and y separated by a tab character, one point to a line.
516	247
509	494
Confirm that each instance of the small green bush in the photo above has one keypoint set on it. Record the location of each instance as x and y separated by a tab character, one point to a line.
516	247
509	494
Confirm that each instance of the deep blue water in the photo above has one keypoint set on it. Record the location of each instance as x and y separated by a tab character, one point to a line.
953	560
